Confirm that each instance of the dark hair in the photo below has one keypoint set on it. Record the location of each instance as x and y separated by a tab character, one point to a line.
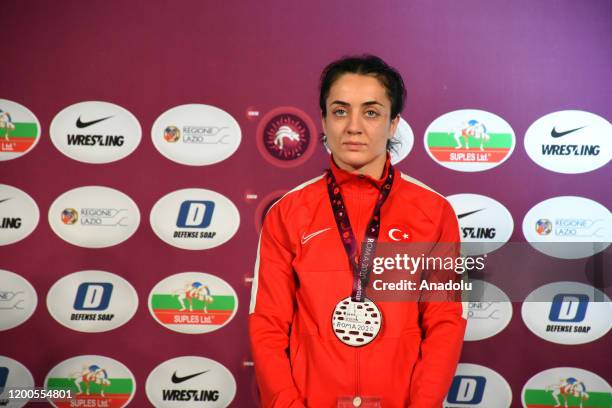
364	65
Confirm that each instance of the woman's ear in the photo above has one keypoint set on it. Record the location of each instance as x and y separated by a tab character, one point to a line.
394	124
323	123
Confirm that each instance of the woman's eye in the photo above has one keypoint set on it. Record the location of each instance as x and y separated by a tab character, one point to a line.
371	114
340	112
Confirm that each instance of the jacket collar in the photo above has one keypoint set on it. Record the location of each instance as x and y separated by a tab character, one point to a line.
343	177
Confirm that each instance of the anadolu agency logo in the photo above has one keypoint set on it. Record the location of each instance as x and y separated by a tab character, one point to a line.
469	140
94	217
94	381
193	302
486	225
566	387
286	137
13	375
18	300
95	132
196	134
92	301
570	142
568	227
19	130
488	317
476	386
568	313
19	214
194	219
190	382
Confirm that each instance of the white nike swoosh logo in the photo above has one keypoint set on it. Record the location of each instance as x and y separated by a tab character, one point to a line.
306	238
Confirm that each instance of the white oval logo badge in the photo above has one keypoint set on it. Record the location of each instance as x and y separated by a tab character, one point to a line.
193	302
94	381
487	318
94	217
469	140
190	382
19	214
566	387
570	142
92	301
95	132
568	227
196	135
13	376
18	300
19	130
194	219
486	225
568	313
477	386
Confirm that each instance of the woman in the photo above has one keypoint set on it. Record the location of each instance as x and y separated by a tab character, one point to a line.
309	270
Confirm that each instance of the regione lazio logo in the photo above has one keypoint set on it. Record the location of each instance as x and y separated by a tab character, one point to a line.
476	386
92	301
190	382
566	387
570	142
95	381
19	130
486	225
13	375
193	302
17	300
286	137
490	316
568	313
405	141
469	140
196	134
568	227
95	132
94	217
19	214
194	219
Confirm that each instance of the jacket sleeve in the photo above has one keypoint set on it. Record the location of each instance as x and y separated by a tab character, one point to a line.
443	325
271	315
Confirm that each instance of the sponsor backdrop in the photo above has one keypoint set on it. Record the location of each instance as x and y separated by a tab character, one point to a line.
142	142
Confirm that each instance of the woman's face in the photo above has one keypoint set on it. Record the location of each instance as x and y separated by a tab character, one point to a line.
358	123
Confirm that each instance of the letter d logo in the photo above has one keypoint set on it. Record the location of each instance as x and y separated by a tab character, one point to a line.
568	308
195	214
93	296
466	390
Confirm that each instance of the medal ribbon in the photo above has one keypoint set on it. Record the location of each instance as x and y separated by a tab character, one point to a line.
361	265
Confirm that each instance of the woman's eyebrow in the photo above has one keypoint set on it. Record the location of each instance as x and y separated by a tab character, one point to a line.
368	103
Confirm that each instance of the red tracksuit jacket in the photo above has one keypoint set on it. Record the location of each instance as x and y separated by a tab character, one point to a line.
302	271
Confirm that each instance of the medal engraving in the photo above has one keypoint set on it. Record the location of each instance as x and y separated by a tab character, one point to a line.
356	323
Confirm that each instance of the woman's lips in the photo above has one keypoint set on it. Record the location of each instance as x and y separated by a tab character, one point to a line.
354	145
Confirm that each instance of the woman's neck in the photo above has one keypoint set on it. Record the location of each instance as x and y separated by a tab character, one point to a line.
374	168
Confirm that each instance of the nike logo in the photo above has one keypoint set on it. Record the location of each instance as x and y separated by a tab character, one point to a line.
176	379
554	132
306	238
460	216
82	125
6	199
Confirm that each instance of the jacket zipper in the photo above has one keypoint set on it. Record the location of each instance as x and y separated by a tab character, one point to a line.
360	227
357	385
